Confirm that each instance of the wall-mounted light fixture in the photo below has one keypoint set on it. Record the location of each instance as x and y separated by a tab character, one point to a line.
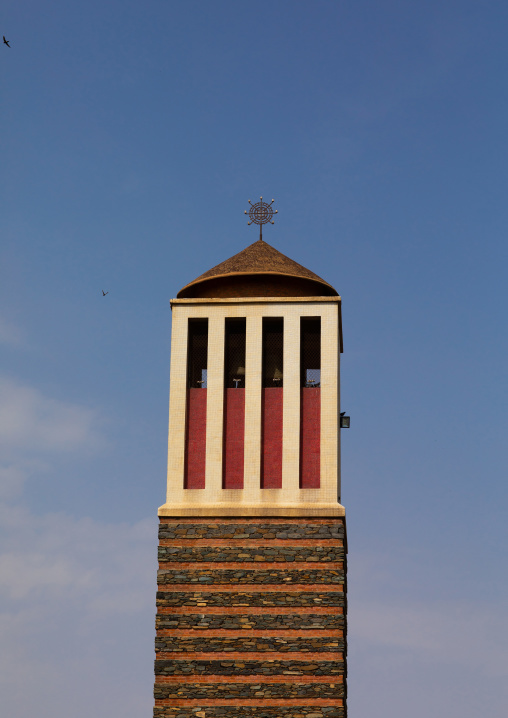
345	421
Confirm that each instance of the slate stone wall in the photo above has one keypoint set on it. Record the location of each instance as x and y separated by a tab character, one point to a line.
247	668
248	644
248	555
251	618
282	577
284	600
232	691
224	529
295	621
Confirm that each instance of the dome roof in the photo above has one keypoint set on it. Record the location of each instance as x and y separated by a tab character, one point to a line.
258	270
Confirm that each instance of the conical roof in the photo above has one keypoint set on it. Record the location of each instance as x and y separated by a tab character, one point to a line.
258	270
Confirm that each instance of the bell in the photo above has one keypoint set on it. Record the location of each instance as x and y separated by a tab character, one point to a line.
277	375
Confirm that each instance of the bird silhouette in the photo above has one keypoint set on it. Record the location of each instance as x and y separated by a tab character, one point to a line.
104	293
6	42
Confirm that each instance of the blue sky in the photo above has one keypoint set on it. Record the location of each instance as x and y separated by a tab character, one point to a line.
132	136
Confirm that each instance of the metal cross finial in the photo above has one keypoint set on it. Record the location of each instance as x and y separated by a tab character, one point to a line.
261	213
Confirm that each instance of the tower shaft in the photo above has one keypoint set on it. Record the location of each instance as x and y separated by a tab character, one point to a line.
251	600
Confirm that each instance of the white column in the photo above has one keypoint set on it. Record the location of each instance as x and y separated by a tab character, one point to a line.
177	405
329	403
291	407
214	407
253	383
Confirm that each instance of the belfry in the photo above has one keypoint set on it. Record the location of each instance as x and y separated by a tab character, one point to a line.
251	601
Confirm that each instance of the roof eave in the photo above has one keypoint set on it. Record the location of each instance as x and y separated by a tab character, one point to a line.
202	280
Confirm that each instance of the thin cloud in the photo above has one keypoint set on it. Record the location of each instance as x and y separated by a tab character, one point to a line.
67	559
76	594
11	335
438	631
33	422
14	475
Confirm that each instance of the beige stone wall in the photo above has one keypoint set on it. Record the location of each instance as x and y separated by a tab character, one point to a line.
252	500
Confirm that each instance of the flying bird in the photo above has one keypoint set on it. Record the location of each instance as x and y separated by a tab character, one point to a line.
104	293
6	42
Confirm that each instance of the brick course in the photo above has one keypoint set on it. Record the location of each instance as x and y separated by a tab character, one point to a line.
248	712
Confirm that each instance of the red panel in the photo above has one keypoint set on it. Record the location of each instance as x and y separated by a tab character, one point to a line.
195	442
234	431
271	444
310	430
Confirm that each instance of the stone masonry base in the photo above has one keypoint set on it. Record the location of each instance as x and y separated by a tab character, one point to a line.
251	618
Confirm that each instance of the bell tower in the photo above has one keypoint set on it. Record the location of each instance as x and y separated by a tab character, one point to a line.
251	601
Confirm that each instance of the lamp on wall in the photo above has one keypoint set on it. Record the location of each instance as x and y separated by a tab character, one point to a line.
345	421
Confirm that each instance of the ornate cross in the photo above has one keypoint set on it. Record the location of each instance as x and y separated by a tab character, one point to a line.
261	213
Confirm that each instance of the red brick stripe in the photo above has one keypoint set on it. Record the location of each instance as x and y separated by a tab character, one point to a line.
251	543
263	702
243	656
195	439
271	437
310	436
252	588
249	679
173	521
252	610
233	438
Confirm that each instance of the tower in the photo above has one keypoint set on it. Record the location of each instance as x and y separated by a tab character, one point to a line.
251	601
